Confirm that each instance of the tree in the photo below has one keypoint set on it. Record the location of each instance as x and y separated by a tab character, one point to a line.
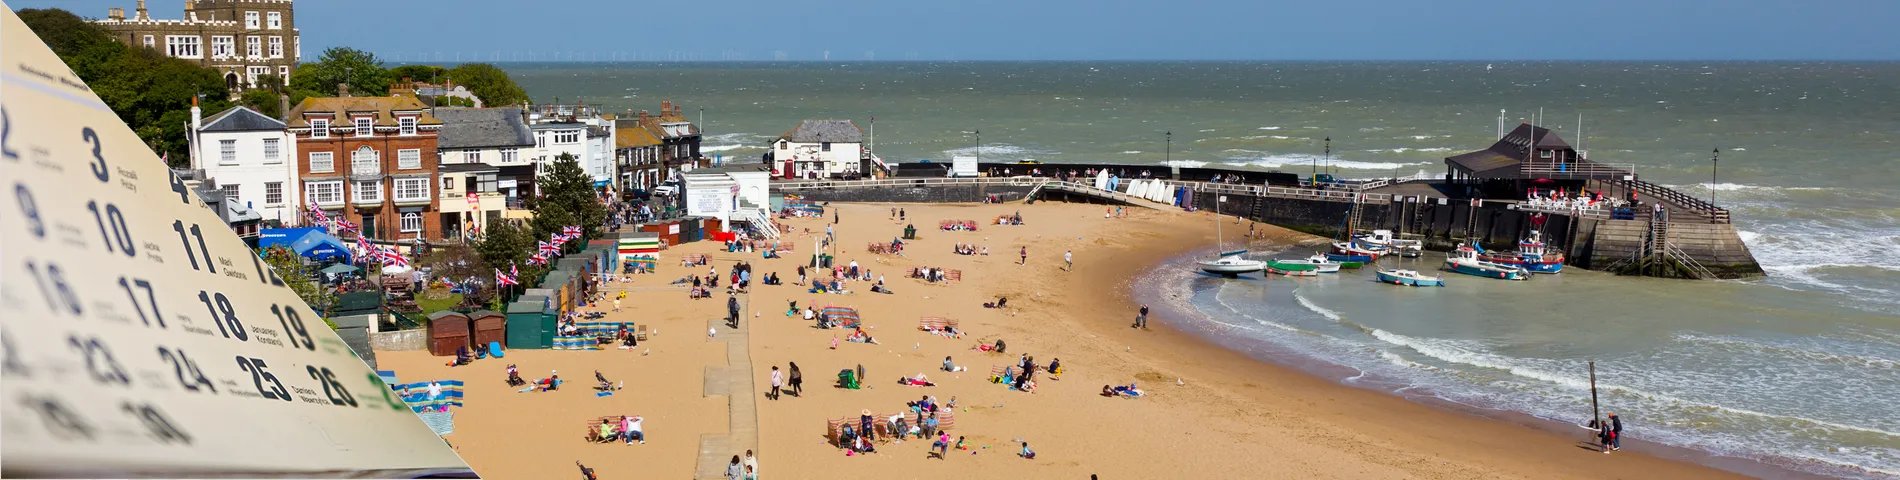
488	83
263	101
567	190
290	267
504	245
362	70
67	34
420	73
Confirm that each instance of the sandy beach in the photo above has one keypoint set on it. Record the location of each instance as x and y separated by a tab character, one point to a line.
1208	412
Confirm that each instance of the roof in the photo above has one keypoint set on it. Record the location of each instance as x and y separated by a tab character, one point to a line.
1482	161
820	131
482	128
629	134
732	168
341	107
241	119
1508	152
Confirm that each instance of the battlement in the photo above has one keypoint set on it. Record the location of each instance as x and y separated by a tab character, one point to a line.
169	22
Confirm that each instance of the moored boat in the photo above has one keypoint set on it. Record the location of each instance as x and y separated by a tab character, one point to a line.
1409	278
1317	264
1293	273
1353	252
1391	244
1231	264
1465	260
1532	254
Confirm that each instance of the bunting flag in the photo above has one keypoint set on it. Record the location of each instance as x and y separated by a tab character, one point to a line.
548	248
513	272
503	280
368	250
572	231
537	259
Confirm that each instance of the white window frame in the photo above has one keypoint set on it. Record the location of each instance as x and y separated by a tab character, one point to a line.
250	20
231	191
273	193
1545	154
275	20
276	47
255	72
322	162
184	46
510	155
319	128
360	194
409	159
273	151
297	41
418	186
314	191
227	152
365	126
253	46
365	160
283	73
223	46
406	126
410	222
566	137
151	41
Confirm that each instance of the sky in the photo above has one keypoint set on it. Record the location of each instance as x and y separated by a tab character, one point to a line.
410	31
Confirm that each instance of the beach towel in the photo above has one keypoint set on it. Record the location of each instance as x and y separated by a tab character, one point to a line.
604	394
443	423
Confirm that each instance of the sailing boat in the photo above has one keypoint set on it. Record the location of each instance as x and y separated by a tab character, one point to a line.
1230	264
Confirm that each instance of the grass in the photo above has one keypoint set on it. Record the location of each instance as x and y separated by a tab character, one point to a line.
431	306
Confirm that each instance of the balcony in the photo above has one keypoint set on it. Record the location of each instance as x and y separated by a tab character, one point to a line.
367	197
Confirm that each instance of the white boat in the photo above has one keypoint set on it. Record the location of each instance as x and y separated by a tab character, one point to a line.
1316	263
1409	277
1230	264
1408	248
1465	260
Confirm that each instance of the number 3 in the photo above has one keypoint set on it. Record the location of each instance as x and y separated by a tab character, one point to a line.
99	161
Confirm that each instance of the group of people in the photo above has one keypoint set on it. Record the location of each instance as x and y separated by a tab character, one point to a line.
972	249
1021	377
929	274
958	226
628	428
1016	219
743	469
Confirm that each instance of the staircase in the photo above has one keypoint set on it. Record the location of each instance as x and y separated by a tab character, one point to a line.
761	222
1657	241
1418	217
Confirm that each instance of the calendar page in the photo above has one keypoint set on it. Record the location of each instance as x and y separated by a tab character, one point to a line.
141	336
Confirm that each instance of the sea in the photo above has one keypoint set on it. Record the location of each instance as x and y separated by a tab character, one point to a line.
1799	369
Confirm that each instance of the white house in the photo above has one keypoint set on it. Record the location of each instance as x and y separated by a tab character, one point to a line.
496	137
731	193
820	149
251	157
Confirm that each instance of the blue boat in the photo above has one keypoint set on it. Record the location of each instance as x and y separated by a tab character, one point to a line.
1409	278
1352	252
1465	260
1531	254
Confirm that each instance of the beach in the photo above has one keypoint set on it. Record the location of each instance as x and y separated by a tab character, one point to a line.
1208	412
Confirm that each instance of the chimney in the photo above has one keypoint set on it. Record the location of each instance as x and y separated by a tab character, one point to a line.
643	116
665	106
343	90
141	11
283	107
116	13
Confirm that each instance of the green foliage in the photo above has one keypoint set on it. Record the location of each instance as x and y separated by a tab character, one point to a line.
504	244
290	267
150	92
567	198
362	70
420	73
263	101
489	83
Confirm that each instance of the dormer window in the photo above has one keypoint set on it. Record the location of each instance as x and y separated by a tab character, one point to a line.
782	144
408	125
364	126
319	128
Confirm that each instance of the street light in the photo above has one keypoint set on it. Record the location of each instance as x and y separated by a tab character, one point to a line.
979	145
1167	152
1329	154
1714	163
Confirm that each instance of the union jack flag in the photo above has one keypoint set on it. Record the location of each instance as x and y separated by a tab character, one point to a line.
346	225
363	243
502	280
572	231
513	272
537	259
318	216
391	258
548	248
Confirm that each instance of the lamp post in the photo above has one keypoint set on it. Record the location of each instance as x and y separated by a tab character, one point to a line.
1329	154
979	145
1167	151
1715	162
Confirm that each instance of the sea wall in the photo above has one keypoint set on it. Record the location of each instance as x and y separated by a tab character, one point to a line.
931	194
416	339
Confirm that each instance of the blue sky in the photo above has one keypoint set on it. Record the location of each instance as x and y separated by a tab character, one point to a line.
1088	30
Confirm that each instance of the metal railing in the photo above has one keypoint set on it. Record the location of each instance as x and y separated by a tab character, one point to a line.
1380	182
1593	212
1020	181
1691	205
1574	170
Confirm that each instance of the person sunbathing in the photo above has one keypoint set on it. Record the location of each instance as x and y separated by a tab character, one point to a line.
553	382
858	335
1129	390
918	381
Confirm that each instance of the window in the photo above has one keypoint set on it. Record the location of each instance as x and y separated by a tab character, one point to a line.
298	42
1544	154
283	73
570	136
273	193
276	20
408	125
448	186
369	191
227	152
409	159
230	191
319	128
270	151
411	222
364	126
323	193
250	20
826	146
322	162
255	73
365	162
412	189
276	47
184	46
540	140
254	46
223	46
510	155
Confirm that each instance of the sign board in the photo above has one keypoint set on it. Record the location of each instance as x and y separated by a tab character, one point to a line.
963	167
141	337
474	203
708	201
672	229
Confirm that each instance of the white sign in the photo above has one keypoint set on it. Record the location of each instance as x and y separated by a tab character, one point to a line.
141	336
672	229
708	201
1223	199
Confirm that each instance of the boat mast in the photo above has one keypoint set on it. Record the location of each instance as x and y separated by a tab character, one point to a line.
1220	241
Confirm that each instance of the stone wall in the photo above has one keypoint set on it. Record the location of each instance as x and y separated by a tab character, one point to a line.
417	339
935	194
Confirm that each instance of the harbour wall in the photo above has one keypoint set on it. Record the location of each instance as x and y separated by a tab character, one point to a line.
917	194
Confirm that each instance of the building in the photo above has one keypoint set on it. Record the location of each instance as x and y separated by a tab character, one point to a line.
579	130
496	137
679	138
243	39
637	153
371	160
733	193
251	158
1525	157
432	94
471	199
821	149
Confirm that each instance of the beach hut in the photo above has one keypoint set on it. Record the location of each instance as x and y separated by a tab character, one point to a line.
490	326
531	323
448	332
639	249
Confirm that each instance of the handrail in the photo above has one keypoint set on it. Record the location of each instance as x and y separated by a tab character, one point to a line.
1690	204
1592	212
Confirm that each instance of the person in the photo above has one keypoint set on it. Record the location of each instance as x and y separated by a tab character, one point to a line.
1027	453
960	443
751	473
1108	391
1616	432
1025	256
632	429
900	214
617	301
1141	320
435	390
865	423
778	380
751	464
798	381
942	445
1068	260
734	470
586	473
1055	367
947	366
732	310
931	423
607	431
893	212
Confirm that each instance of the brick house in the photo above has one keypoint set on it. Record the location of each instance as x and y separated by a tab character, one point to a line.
243	39
373	161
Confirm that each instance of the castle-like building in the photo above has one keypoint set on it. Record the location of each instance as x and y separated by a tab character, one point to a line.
243	39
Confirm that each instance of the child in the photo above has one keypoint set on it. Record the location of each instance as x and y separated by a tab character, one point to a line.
1027	453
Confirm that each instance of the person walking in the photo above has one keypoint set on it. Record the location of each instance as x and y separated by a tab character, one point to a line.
751	464
798	381
778	380
900	214
1068	260
1141	320
732	310
1604	436
1025	256
733	470
1616	432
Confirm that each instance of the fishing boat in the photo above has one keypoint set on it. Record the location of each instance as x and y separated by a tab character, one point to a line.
1318	264
1532	254
1392	244
1353	252
1465	260
1229	264
1409	278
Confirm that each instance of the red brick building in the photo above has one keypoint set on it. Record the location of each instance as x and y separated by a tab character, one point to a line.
371	160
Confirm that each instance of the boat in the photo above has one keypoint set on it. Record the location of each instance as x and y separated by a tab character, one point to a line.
1293	273
1409	278
1532	254
1321	257
1230	264
1384	239
1316	263
1465	260
1353	252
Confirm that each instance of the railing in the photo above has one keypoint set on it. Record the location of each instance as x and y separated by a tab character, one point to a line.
1694	269
1020	181
1575	210
1332	195
1090	189
1689	204
1380	182
1580	169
